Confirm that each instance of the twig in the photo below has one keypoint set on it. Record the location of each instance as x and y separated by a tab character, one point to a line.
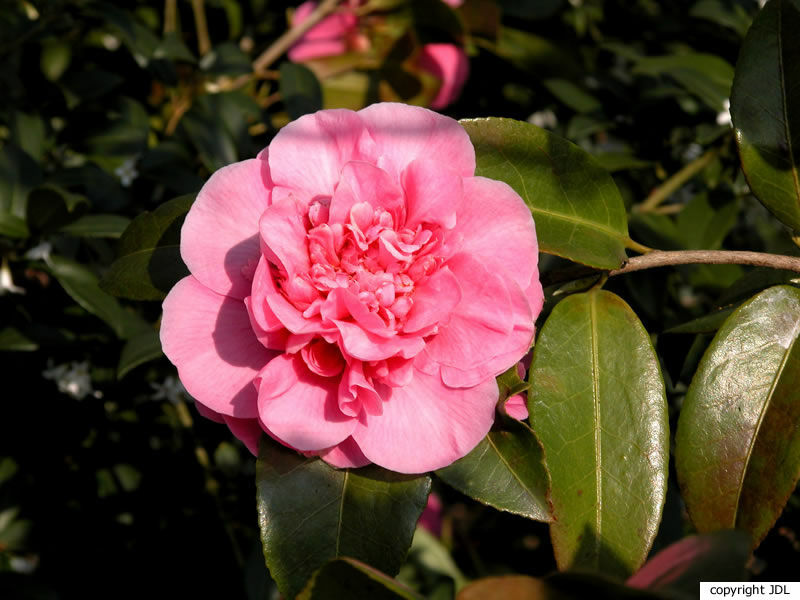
661	258
201	26
170	16
674	183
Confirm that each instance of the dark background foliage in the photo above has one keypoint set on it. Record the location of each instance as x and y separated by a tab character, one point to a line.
127	492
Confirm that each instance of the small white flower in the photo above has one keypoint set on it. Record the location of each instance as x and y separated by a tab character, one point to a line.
40	252
172	390
72	379
724	117
692	152
761	3
127	172
7	282
544	118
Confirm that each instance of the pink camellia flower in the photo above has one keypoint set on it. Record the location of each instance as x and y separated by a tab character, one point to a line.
335	34
517	405
449	63
355	290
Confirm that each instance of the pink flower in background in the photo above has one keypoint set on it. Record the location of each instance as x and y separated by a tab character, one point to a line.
449	63
431	518
335	34
355	290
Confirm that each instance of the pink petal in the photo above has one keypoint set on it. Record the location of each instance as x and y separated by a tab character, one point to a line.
498	230
363	182
346	455
283	236
490	330
209	339
364	345
220	235
516	407
448	63
209	414
404	133
427	425
434	301
433	194
247	430
308	154
327	38
300	407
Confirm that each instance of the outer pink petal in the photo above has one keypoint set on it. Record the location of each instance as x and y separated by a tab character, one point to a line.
346	455
300	407
309	153
209	339
433	194
247	430
427	425
219	239
209	414
489	330
498	229
404	133
450	64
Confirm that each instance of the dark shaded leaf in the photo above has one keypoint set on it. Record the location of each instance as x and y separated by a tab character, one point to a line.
149	260
506	470
310	513
765	109
346	578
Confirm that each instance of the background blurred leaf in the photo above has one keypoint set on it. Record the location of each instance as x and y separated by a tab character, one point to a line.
368	514
138	350
765	109
577	208
110	226
149	261
81	284
51	207
19	174
11	339
598	407
737	448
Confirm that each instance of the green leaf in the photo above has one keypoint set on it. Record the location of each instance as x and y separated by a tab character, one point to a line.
107	226
310	513
577	208
126	134
138	350
428	553
619	161
149	260
719	556
12	226
11	339
346	578
19	174
506	470
707	76
81	284
737	449
599	409
571	95
535	54
721	12
706	324
299	89
765	109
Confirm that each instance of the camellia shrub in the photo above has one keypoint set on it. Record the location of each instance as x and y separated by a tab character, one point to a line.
545	350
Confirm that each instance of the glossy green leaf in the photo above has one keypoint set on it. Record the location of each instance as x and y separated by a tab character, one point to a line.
765	109
718	556
598	407
81	284
737	449
310	513
577	208
506	470
138	350
299	89
11	339
346	578
106	226
149	260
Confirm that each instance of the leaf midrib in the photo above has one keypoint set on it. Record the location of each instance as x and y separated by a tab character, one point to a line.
522	484
598	450
340	518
